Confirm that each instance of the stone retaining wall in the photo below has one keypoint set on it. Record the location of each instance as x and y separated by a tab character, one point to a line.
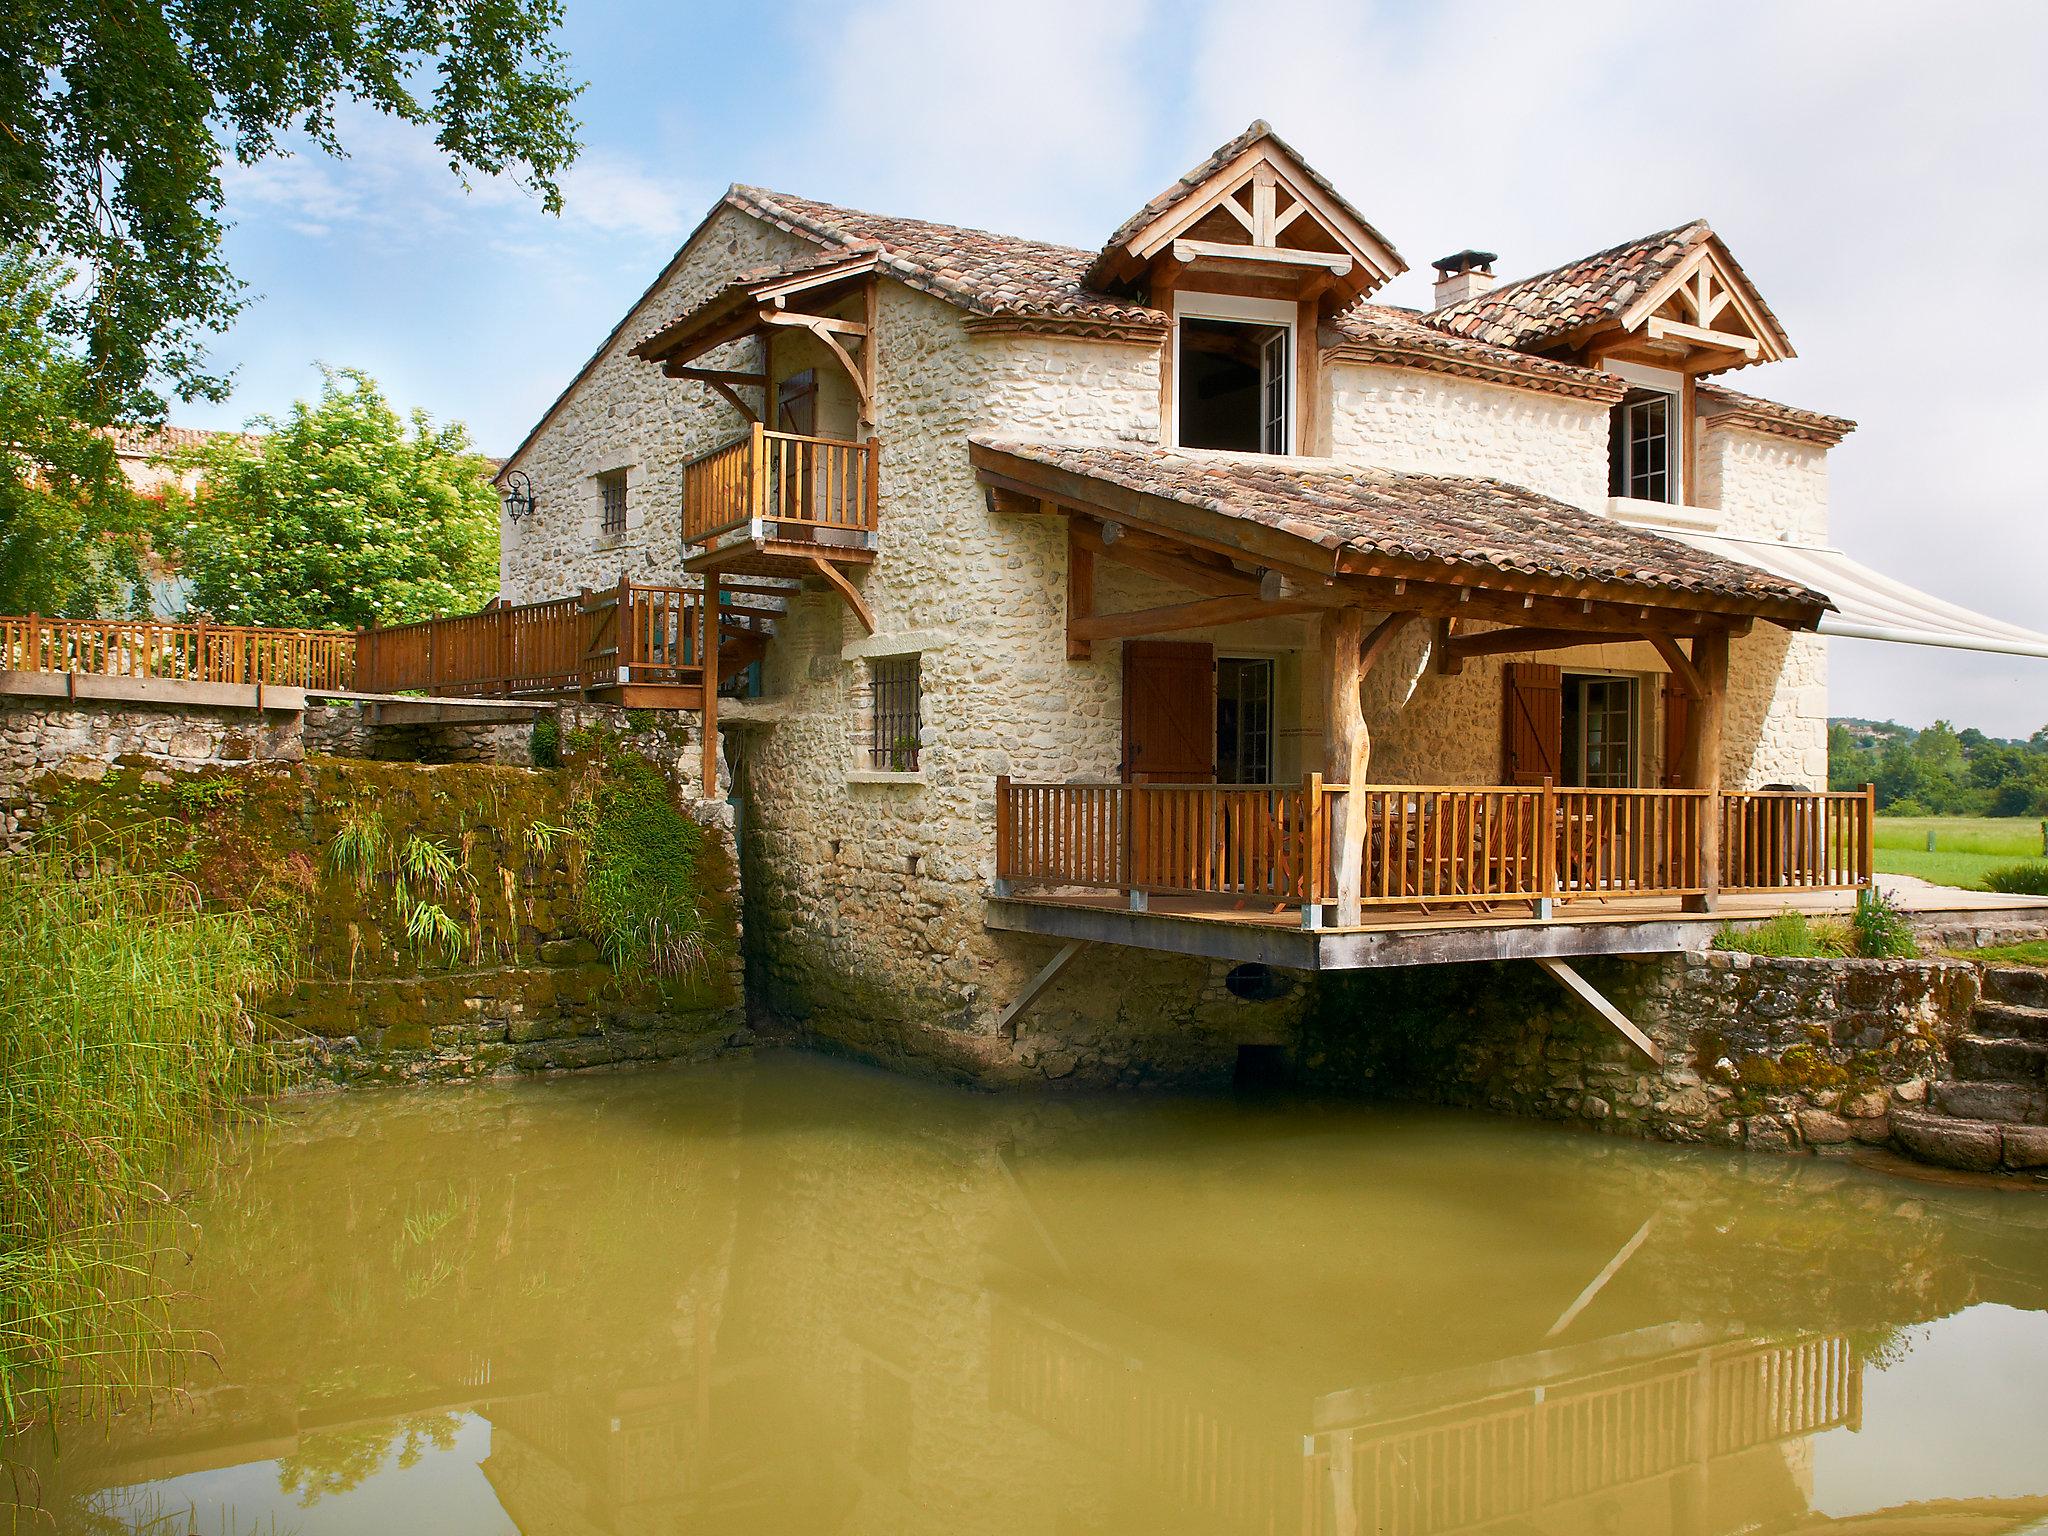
1778	1055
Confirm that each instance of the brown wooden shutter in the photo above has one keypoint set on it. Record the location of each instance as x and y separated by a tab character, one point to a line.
1532	722
1677	707
1169	711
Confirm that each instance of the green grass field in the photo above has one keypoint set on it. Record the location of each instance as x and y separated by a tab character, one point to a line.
1965	847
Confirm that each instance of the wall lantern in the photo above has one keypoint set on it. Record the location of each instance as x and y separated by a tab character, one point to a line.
519	498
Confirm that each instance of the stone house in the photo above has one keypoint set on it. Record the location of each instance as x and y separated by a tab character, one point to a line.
1101	582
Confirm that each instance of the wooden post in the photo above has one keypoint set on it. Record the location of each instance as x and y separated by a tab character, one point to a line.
710	675
1080	595
1704	749
757	478
1869	850
872	476
624	640
1004	854
1547	835
1348	749
1313	830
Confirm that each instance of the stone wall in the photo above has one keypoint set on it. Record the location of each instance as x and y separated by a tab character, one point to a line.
1772	1054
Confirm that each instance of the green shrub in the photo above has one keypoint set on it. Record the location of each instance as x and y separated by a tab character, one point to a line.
640	888
1882	932
2028	878
544	746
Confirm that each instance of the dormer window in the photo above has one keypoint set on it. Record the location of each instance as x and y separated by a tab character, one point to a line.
1233	374
1642	447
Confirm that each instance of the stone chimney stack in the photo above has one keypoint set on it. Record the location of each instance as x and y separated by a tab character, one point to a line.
1463	276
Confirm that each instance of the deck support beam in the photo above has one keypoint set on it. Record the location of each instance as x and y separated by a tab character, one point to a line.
1566	975
1703	752
836	579
1018	1006
707	664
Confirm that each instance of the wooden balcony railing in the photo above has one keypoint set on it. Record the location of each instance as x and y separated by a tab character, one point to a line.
799	489
622	635
197	652
1458	845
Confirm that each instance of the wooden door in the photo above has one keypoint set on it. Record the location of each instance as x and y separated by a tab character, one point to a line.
1169	712
1532	723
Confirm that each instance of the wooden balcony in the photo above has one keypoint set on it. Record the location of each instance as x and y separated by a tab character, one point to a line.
781	504
1431	850
199	652
631	644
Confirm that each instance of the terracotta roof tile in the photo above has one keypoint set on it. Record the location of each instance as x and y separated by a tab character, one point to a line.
1533	310
982	272
1403	337
1718	403
1455	521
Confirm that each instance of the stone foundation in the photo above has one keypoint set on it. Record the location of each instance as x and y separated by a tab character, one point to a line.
1778	1055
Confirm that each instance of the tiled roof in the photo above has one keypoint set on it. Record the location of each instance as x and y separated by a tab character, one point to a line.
737	294
1725	405
152	442
1402	337
999	276
1533	310
1182	189
1455	521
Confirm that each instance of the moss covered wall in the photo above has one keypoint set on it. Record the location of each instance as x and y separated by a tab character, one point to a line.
542	949
1776	1054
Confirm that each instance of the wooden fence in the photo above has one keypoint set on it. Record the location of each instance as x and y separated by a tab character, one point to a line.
810	489
1460	845
197	652
624	634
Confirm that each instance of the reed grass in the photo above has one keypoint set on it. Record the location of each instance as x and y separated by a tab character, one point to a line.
125	1038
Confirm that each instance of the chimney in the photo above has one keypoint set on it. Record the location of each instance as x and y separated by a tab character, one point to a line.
1463	276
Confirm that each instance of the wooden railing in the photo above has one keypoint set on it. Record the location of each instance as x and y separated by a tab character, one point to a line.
624	634
197	652
1424	844
800	489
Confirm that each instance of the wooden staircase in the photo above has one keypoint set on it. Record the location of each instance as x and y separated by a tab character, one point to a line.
1991	1112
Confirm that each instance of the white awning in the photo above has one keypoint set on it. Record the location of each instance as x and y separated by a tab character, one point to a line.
1868	604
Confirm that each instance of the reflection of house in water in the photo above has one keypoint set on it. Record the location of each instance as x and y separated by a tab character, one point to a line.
1645	1420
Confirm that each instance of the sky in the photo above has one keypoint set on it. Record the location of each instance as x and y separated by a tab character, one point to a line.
1876	167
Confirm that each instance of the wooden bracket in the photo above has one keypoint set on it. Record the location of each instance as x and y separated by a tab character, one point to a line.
1567	976
847	590
1680	664
828	331
1006	1021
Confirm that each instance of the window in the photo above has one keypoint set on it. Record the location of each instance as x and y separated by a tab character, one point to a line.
1599	731
1244	720
894	714
1641	447
611	491
1232	386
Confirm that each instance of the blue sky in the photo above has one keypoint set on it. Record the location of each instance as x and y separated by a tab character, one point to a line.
1874	165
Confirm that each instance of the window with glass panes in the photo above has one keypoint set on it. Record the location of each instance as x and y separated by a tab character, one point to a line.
1599	731
1244	720
895	709
1643	447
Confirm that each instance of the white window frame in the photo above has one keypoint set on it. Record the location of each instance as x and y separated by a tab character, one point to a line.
1678	427
1245	311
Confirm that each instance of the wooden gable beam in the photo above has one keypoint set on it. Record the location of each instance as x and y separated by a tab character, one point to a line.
1164	620
1736	291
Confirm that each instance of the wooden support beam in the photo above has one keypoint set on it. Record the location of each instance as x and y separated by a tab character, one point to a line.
1349	749
1680	664
1383	635
836	578
732	395
1190	251
1504	642
1006	1021
1446	661
1567	976
1703	750
1159	559
1177	616
716	375
707	660
1599	1282
821	325
1080	594
828	330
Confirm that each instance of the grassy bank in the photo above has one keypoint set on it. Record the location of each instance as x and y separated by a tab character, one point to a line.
123	1037
1966	847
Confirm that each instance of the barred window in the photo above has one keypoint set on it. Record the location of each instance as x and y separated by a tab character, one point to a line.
611	489
895	710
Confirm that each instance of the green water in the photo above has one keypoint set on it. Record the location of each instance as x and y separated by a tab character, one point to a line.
788	1295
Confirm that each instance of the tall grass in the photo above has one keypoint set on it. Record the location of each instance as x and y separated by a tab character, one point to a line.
124	1036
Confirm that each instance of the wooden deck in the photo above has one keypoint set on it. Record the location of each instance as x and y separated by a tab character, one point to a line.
1231	929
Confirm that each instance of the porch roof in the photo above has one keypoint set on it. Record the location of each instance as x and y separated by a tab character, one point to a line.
1431	527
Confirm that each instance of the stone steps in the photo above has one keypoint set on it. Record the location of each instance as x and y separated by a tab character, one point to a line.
1992	1059
1976	1146
2015	1103
1991	1114
2023	985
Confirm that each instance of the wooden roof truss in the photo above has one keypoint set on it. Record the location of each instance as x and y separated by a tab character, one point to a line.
1705	312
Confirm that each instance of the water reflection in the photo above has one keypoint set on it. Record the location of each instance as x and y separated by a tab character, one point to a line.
785	1295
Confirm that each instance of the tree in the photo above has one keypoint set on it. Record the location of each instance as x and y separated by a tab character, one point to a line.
116	119
69	540
340	519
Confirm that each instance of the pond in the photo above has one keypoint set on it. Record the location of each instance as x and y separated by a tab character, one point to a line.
786	1294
